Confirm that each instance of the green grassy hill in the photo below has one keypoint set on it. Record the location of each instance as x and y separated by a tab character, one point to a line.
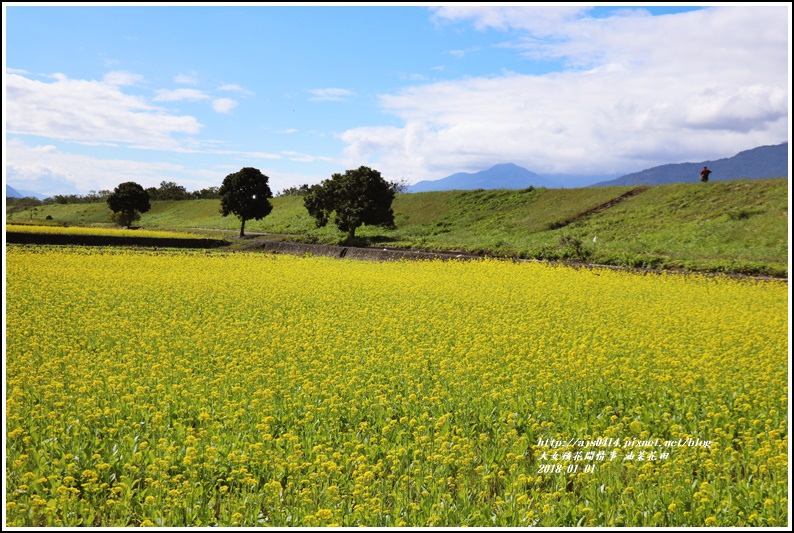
736	226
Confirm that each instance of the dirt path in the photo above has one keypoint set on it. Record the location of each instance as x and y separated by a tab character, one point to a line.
597	209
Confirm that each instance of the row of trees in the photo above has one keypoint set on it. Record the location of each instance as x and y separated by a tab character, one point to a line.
350	200
168	190
90	198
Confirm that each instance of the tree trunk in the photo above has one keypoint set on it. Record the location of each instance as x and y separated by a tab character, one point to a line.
351	234
242	229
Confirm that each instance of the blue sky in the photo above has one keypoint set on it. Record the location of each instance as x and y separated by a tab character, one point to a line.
95	96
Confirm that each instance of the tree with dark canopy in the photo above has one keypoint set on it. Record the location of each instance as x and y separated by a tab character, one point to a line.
127	202
245	194
355	198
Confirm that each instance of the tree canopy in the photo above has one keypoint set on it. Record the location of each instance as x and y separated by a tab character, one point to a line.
127	202
168	190
245	194
355	198
301	190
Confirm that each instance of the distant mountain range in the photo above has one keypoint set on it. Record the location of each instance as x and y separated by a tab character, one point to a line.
14	193
504	176
758	163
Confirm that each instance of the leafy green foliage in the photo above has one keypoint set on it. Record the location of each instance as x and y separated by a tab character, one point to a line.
28	203
90	198
301	190
168	190
246	193
573	248
355	198
127	202
207	193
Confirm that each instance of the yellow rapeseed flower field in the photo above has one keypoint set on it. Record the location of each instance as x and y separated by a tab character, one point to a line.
189	388
105	232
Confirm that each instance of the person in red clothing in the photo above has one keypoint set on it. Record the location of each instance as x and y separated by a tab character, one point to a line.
704	174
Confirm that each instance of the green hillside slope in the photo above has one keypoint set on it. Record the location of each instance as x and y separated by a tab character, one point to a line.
737	226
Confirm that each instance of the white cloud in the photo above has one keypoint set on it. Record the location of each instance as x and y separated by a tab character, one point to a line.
98	114
120	78
331	94
638	91
223	105
206	147
412	76
305	158
89	111
186	79
254	155
49	171
176	95
459	54
538	19
231	87
744	109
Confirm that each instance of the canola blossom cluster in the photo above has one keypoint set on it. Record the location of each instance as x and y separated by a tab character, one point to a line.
183	388
104	232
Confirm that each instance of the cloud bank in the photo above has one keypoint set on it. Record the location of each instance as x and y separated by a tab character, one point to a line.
91	112
628	91
636	91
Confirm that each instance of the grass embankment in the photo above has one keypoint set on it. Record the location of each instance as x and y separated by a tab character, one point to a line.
737	226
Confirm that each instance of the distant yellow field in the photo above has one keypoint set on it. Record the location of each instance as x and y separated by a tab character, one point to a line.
117	232
192	388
